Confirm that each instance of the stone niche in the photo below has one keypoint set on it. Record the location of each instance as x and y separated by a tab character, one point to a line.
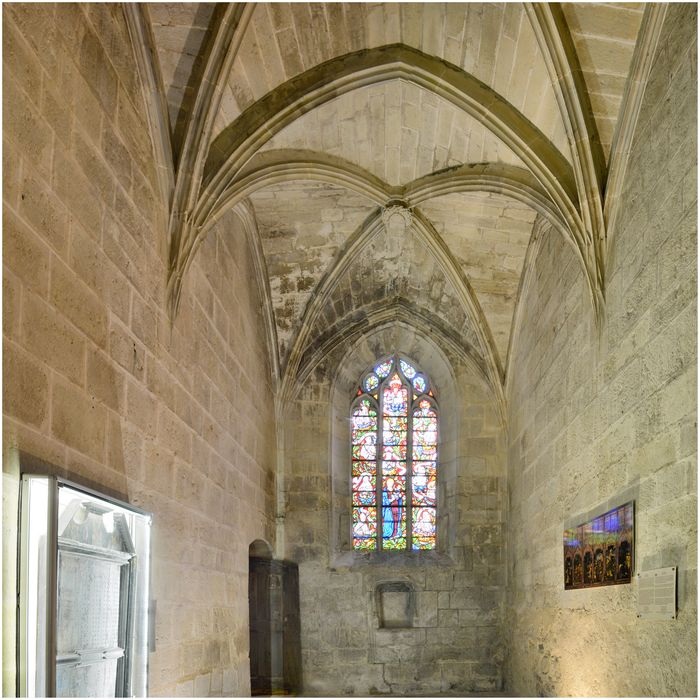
395	604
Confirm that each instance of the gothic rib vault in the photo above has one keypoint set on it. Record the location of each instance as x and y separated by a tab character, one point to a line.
311	121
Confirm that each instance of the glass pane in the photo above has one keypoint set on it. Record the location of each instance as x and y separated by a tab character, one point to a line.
394	423
364	522
395	398
425	452
371	382
409	371
364	451
394	452
424	422
365	498
393	526
424	437
393	490
424	468
364	543
419	384
424	528
383	369
424	491
359	468
394	467
394	437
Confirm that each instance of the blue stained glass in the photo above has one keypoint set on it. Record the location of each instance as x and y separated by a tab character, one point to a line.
409	371
371	382
383	369
419	384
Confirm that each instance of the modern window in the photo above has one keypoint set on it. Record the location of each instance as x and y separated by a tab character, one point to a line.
394	458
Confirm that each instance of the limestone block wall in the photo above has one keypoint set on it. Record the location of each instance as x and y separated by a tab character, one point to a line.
455	641
598	419
97	384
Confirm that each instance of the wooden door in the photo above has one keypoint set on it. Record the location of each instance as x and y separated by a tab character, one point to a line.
260	624
291	640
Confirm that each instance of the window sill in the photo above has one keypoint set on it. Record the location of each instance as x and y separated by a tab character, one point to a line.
410	559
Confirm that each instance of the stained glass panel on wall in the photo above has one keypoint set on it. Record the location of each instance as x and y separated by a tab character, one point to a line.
395	504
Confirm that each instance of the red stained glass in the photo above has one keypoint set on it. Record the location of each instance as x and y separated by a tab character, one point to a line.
395	397
424	490
394	452
364	482
364	543
396	468
365	452
424	468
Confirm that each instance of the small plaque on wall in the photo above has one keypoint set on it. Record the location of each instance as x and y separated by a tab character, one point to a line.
657	594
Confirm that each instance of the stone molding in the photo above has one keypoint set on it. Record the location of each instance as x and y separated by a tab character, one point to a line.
557	48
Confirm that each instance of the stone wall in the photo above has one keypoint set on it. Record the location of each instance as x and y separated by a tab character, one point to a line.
455	641
598	419
177	420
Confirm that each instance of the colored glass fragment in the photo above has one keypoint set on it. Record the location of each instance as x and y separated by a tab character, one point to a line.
419	383
424	468
395	398
424	490
365	498
397	452
364	482
424	452
364	543
394	423
424	437
365	451
394	437
394	468
364	521
371	382
409	371
383	369
393	490
393	523
424	528
359	468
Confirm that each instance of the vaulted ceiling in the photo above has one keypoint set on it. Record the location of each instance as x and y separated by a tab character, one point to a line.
393	158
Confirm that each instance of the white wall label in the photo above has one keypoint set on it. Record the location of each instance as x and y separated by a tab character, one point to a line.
657	594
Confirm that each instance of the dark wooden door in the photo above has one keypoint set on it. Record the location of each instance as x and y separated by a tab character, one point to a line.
291	640
275	629
260	624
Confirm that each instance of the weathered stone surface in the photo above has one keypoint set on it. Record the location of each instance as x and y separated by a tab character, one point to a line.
626	397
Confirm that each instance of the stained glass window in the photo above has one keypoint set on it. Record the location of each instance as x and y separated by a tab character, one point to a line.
394	459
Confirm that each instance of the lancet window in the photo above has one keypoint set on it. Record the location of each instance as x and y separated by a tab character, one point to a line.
394	458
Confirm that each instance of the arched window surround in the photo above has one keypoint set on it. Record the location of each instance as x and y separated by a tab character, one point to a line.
434	361
394	457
